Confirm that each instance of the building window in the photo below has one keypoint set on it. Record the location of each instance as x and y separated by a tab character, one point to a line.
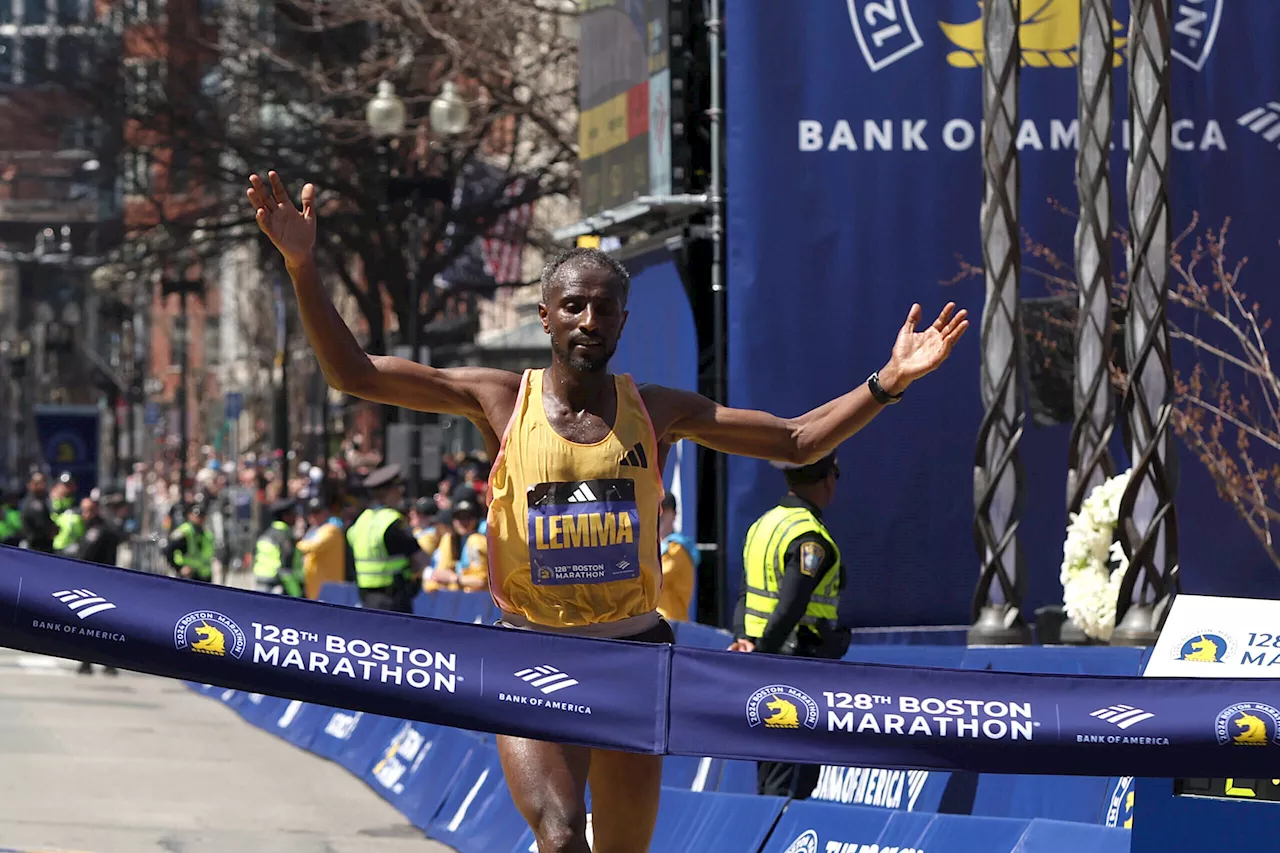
70	57
145	84
212	339
6	59
137	172
6	11
33	12
70	12
35	61
142	11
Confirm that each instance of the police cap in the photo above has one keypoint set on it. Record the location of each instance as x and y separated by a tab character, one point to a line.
814	472
425	506
316	505
385	476
199	509
465	508
66	479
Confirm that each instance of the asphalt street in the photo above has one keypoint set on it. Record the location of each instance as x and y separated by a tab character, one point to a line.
136	764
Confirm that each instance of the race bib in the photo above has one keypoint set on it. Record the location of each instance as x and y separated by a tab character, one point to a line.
583	531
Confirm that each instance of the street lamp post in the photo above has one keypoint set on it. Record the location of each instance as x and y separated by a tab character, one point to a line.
387	116
181	328
277	122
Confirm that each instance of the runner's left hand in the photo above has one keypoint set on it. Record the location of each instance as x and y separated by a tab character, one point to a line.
916	354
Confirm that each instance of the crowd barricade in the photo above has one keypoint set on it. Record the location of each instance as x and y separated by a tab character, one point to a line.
1064	798
823	827
449	783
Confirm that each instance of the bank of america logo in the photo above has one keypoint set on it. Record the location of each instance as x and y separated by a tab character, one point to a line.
1264	121
1122	716
83	602
582	494
548	679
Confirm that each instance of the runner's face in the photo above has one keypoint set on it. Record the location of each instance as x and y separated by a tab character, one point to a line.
584	316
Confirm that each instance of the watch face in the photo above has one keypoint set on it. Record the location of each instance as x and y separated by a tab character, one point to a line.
1255	790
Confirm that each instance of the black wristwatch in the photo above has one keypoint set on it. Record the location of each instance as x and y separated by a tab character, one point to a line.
881	396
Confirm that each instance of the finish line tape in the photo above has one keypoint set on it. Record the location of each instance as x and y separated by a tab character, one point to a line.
632	696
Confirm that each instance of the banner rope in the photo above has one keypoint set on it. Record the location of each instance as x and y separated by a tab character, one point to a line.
656	699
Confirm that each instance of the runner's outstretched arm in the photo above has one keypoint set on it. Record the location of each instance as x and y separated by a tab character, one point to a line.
809	437
470	392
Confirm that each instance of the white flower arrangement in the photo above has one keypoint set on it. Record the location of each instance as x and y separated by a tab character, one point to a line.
1090	586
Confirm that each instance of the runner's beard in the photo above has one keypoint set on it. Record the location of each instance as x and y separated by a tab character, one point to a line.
586	364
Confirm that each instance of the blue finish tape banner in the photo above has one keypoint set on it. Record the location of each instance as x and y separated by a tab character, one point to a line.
854	143
728	705
389	668
465	676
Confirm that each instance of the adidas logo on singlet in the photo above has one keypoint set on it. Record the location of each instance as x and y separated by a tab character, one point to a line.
635	457
582	494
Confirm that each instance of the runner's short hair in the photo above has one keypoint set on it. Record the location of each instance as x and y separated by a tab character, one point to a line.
585	257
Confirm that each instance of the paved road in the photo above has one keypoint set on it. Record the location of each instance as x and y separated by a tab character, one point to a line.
136	764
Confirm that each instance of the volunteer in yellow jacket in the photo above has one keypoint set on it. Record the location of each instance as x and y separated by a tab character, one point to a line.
576	485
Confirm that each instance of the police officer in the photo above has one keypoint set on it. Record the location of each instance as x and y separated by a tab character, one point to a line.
276	561
791	595
38	526
100	544
10	519
387	557
190	547
67	516
103	534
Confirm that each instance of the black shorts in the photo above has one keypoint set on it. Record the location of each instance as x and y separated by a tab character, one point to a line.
658	634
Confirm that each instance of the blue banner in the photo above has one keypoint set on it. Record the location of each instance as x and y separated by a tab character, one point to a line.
730	705
393	672
398	666
69	438
854	162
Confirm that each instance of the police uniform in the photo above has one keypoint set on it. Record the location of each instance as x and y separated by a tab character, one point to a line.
191	546
383	548
10	520
38	525
790	600
102	536
276	561
66	515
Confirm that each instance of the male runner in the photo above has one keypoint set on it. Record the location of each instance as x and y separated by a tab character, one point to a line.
575	432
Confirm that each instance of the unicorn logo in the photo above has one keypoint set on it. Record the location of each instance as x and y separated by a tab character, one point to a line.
1248	724
1253	732
211	642
1204	648
784	716
781	706
206	632
1049	32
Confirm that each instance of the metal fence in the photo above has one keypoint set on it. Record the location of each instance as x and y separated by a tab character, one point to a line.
144	554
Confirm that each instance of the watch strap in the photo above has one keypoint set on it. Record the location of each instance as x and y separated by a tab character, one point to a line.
881	396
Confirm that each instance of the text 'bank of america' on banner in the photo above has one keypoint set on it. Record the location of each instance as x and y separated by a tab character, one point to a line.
467	676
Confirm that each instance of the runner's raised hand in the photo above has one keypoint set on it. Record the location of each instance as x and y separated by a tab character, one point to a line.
292	231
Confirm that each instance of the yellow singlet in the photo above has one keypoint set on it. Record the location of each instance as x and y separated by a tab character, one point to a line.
573	528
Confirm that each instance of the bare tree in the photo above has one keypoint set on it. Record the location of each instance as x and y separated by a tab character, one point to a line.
1227	403
285	85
